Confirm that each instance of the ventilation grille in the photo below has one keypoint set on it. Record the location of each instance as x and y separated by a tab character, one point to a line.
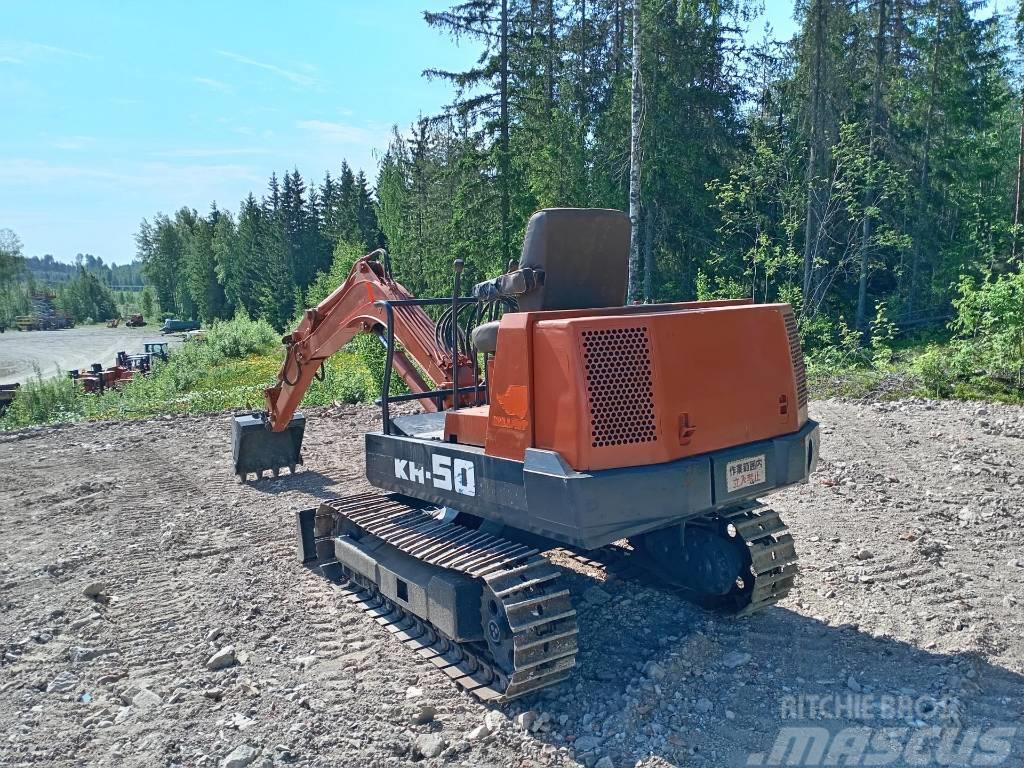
619	386
797	356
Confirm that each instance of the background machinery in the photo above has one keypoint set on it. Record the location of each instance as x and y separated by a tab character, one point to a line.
554	416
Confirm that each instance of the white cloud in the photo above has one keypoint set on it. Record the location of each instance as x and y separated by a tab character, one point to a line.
215	85
37	173
17	51
337	133
198	152
28	172
292	76
73	142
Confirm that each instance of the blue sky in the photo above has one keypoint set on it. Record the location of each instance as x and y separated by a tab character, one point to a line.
113	111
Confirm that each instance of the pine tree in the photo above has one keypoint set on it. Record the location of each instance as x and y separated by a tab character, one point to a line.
206	292
482	93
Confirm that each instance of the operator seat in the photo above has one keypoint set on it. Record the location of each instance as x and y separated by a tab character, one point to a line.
573	258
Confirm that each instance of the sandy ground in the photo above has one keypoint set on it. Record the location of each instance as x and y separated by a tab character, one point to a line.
129	557
60	351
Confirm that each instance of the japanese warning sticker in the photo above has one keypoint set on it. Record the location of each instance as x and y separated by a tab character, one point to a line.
744	473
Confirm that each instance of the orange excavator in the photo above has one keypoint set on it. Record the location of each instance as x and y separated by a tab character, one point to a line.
552	416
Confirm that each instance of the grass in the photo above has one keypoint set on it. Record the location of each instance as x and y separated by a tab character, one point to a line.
229	369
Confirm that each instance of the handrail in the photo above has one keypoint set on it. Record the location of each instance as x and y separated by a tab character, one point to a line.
385	400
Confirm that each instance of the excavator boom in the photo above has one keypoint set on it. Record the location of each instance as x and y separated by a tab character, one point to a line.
272	439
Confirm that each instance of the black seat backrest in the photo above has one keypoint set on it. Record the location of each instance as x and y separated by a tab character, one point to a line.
584	253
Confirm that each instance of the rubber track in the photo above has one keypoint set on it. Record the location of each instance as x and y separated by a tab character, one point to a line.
773	557
772	554
539	611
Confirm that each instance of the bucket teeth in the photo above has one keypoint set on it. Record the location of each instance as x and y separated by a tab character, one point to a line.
257	449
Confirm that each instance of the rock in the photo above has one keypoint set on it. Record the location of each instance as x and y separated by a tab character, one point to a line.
525	720
586	744
654	670
222	659
704	705
596	596
604	762
968	516
214	693
146	699
65	682
852	684
429	745
495	720
95	590
864	554
81	654
1015	563
239	722
240	757
412	692
423	714
735	659
730	715
541	723
479	733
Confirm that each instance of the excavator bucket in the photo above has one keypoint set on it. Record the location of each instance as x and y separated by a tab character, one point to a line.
256	448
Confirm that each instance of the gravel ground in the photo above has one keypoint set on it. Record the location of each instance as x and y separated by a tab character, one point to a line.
61	351
152	612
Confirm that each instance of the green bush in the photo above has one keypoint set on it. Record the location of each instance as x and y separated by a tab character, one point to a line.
935	371
45	401
346	380
990	318
883	332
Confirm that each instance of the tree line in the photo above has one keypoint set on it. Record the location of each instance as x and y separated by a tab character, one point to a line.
872	159
81	291
262	260
48	271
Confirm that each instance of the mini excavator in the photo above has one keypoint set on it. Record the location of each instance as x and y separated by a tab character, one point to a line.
551	416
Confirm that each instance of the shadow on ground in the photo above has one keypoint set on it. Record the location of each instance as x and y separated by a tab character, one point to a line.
305	481
660	679
658	676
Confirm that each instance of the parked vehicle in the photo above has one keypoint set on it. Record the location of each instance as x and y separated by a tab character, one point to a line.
177	326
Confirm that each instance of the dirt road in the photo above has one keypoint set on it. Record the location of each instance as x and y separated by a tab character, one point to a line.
129	558
60	351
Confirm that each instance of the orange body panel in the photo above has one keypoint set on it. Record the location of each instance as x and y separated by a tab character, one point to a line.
510	417
466	425
614	388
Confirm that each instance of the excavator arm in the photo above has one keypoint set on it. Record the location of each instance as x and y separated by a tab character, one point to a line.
273	439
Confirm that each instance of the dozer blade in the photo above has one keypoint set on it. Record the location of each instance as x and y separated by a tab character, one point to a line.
257	449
